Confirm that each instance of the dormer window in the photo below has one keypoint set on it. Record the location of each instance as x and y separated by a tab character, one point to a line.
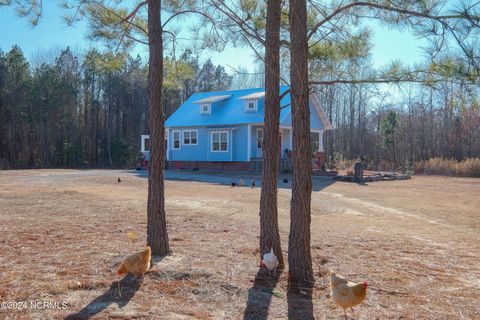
206	108
251	105
206	103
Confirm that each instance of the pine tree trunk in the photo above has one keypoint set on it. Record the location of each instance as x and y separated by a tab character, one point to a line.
299	255
269	233
157	237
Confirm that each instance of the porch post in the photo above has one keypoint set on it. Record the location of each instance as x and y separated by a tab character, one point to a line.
291	139
249	142
231	145
320	141
167	136
142	142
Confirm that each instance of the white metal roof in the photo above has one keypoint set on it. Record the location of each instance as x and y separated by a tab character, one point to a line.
212	99
254	95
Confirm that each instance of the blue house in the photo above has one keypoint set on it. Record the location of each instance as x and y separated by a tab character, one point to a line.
224	130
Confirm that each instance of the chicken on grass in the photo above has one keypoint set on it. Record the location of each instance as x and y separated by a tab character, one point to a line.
136	264
347	294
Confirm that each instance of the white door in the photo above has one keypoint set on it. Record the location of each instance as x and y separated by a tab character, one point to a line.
259	142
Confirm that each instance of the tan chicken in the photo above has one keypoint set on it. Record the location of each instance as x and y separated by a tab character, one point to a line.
136	264
347	294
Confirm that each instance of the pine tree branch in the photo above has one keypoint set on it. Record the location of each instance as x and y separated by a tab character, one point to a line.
184	12
284	94
439	18
375	81
135	10
121	19
129	20
246	28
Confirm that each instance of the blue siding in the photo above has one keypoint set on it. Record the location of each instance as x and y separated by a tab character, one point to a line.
315	121
237	145
189	152
240	143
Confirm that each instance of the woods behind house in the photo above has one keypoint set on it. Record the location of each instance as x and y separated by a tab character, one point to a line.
88	109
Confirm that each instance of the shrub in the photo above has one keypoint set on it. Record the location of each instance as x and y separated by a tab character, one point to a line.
445	167
350	171
469	168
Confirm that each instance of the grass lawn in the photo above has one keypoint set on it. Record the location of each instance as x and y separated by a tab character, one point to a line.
64	232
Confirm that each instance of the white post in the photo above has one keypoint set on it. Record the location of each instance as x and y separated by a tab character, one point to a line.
320	141
167	142
291	139
249	142
281	142
143	137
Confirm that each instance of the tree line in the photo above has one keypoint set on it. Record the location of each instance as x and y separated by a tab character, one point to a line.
87	109
398	126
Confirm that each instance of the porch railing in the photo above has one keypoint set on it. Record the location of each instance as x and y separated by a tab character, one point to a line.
285	165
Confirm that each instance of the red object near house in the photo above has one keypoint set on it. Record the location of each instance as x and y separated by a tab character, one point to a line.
319	161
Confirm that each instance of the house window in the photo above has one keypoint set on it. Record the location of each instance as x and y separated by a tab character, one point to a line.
259	138
205	109
219	141
176	140
251	105
190	137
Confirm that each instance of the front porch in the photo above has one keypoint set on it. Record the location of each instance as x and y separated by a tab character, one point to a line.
285	140
286	166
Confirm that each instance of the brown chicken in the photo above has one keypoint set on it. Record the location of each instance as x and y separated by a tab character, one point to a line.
136	264
347	294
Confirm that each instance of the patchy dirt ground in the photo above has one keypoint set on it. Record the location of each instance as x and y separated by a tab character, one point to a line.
63	232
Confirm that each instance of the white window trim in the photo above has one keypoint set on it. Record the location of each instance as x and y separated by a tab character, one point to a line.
183	137
255	102
256	138
209	111
211	141
179	139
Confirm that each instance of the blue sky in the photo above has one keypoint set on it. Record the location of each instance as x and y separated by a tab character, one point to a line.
53	33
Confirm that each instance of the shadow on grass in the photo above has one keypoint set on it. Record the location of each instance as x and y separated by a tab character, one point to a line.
226	178
300	304
362	183
120	292
260	295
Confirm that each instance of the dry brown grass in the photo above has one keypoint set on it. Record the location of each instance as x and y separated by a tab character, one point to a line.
64	232
437	166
